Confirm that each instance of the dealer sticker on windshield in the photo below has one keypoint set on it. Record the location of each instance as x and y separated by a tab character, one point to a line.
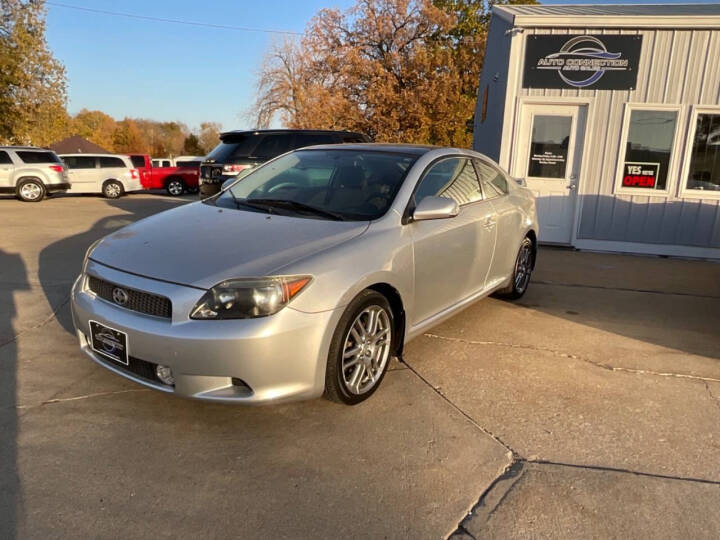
109	342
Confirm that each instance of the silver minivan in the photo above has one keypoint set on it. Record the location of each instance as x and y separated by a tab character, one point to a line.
30	173
109	174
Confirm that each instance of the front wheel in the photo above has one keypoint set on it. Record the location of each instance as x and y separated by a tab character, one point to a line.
360	350
521	272
175	187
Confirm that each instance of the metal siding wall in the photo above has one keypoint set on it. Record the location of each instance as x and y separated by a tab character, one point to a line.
676	67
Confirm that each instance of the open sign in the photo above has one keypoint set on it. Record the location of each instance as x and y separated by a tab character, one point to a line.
640	175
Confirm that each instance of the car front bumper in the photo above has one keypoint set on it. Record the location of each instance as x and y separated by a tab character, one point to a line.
251	361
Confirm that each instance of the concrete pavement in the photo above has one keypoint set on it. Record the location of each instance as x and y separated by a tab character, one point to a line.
589	408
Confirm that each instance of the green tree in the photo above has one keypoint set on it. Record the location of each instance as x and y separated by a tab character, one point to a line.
192	145
32	82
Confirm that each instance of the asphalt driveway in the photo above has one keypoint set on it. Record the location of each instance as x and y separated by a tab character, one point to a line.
589	408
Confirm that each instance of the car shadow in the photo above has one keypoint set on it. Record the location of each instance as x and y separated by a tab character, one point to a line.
13	278
61	262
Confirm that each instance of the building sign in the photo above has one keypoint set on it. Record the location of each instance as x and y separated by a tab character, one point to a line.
640	175
598	62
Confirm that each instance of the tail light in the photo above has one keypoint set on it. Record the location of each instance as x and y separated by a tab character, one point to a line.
134	174
235	168
57	168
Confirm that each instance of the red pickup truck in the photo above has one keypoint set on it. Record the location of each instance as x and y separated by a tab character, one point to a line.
175	180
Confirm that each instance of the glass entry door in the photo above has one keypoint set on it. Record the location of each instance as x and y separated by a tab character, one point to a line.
549	153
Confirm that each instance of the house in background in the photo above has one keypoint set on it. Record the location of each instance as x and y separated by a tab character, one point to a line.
77	145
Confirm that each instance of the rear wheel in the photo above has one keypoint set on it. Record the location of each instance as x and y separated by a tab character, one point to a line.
175	187
31	190
522	271
361	349
112	189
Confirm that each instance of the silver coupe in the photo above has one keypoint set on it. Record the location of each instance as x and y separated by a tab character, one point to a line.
305	277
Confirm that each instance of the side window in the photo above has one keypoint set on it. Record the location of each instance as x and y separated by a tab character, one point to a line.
111	162
493	181
165	163
79	162
30	156
353	139
273	145
453	178
5	158
138	161
310	139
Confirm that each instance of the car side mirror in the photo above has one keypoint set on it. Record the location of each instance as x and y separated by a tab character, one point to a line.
435	208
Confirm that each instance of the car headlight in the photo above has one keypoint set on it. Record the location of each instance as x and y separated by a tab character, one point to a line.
248	298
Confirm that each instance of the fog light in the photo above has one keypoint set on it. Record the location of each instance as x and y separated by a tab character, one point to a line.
165	374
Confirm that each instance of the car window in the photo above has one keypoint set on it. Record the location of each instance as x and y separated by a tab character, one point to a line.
274	145
493	180
454	178
356	185
189	164
353	139
155	162
5	158
30	156
79	162
111	162
138	161
311	139
165	163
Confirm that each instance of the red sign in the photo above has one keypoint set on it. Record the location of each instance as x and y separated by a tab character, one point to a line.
640	175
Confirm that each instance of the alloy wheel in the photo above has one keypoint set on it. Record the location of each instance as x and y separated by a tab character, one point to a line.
366	350
175	188
30	191
523	267
112	190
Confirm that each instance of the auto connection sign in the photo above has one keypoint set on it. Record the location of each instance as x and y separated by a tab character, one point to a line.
596	62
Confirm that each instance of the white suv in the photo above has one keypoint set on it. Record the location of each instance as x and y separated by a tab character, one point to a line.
30	173
109	174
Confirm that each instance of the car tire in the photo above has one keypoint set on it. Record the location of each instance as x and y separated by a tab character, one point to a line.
353	378
31	190
112	189
522	271
175	187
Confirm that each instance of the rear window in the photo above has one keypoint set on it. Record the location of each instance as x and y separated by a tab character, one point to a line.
5	158
234	146
311	139
274	145
138	161
353	139
112	162
30	156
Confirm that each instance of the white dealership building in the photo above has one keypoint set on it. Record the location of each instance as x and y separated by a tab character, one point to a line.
612	115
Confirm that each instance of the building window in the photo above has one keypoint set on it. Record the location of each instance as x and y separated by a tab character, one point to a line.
704	171
648	149
549	146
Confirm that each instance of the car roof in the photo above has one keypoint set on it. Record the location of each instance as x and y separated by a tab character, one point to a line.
94	155
415	149
25	148
266	131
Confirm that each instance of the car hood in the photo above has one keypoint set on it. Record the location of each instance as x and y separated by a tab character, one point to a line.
201	245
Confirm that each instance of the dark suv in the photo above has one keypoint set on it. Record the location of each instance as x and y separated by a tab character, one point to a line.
241	150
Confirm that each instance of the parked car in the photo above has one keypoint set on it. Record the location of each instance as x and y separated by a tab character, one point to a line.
111	175
177	161
307	275
30	173
173	179
242	150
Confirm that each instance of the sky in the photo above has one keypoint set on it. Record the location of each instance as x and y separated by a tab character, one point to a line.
171	72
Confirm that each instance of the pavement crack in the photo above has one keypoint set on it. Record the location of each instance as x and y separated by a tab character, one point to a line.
563	354
716	400
514	455
42	323
78	398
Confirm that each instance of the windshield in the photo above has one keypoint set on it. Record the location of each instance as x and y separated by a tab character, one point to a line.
347	184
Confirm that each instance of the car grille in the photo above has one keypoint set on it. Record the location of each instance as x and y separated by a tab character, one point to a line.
142	302
140	368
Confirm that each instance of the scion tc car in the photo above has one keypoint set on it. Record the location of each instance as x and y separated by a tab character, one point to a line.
307	275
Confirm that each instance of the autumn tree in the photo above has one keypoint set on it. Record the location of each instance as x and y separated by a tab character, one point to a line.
398	70
95	126
32	82
192	145
209	136
128	137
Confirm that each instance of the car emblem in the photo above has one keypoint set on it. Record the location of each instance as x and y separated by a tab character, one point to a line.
120	297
